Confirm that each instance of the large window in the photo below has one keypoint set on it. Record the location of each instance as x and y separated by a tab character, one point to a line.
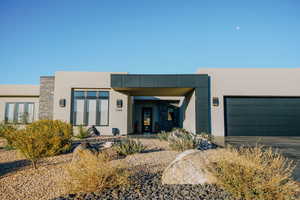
21	113
90	108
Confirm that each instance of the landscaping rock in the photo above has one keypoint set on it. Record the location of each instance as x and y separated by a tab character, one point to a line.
108	144
148	186
83	148
205	144
189	167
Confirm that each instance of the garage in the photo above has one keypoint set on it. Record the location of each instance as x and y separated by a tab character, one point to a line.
262	116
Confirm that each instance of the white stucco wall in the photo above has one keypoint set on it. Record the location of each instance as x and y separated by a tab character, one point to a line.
189	112
19	93
19	90
66	81
248	82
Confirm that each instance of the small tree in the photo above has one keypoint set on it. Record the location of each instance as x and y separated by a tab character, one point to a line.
42	139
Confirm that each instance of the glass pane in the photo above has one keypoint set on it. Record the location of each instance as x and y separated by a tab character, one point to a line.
30	114
79	109
10	112
78	94
21	113
103	111
92	112
92	94
103	94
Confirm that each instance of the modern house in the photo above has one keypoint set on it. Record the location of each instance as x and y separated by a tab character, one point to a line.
223	101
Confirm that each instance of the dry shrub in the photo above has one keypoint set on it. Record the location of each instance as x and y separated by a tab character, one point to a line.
183	142
57	135
128	147
94	173
42	139
6	132
82	132
255	173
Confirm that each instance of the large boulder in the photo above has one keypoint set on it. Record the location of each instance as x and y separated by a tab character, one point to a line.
190	167
83	149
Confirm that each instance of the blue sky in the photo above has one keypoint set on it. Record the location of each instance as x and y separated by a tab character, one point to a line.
144	36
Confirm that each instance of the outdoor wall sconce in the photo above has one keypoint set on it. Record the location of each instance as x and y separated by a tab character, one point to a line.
115	131
119	103
215	101
62	103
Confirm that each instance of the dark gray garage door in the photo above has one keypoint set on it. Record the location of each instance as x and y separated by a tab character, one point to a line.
262	116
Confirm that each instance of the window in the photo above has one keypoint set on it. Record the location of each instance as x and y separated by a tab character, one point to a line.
170	114
21	113
90	108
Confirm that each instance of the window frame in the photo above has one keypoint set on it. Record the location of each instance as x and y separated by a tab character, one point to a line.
86	104
16	112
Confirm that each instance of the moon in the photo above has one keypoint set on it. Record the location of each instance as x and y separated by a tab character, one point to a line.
237	28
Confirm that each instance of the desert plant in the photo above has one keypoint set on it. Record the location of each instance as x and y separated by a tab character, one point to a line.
82	132
94	173
129	146
57	134
6	132
163	136
255	173
183	142
41	139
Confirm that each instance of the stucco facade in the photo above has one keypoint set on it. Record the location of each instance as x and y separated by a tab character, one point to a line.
19	94
263	82
54	97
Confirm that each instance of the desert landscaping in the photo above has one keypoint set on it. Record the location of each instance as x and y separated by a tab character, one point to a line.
171	165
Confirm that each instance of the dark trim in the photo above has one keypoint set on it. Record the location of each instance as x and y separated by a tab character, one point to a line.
16	111
85	111
200	83
225	117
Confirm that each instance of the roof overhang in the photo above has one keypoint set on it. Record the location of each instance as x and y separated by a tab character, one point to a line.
158	84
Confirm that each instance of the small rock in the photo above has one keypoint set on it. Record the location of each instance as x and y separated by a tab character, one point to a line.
83	148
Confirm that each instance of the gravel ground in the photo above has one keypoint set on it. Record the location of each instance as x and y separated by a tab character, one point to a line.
147	186
19	181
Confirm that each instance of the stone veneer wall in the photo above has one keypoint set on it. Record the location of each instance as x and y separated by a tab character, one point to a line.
46	97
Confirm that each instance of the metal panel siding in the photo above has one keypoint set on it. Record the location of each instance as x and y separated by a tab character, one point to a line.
203	109
116	81
262	116
197	81
168	81
131	81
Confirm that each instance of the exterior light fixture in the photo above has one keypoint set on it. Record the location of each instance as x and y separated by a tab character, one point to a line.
62	103
119	103
215	101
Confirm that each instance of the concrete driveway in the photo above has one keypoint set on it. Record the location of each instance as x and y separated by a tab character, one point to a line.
289	146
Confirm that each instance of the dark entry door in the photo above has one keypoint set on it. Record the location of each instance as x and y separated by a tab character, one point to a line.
147	120
262	116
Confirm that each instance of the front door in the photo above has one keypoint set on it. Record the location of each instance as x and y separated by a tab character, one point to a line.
147	120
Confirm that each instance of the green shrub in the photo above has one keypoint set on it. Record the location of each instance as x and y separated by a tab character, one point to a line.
42	138
6	131
255	173
94	173
129	146
82	132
